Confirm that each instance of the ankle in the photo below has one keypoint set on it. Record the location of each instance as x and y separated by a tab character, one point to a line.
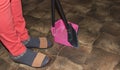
26	41
17	57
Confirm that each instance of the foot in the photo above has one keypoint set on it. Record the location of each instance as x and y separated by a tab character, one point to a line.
32	59
38	43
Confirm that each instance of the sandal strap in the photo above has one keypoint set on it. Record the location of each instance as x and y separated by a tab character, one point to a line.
38	60
43	42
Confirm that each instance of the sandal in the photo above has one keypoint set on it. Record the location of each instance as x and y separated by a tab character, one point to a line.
42	42
32	59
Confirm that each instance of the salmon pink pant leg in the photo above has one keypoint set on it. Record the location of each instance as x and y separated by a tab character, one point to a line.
19	21
8	34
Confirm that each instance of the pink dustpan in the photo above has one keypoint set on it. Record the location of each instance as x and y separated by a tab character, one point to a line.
59	32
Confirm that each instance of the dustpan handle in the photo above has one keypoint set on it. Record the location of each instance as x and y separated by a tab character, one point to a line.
60	11
53	12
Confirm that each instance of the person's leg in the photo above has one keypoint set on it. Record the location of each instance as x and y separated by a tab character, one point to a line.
7	32
20	23
12	42
19	20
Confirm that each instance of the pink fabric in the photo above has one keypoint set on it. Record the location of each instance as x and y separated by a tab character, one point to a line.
12	26
60	33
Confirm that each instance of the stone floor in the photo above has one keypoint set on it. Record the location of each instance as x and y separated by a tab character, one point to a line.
99	35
